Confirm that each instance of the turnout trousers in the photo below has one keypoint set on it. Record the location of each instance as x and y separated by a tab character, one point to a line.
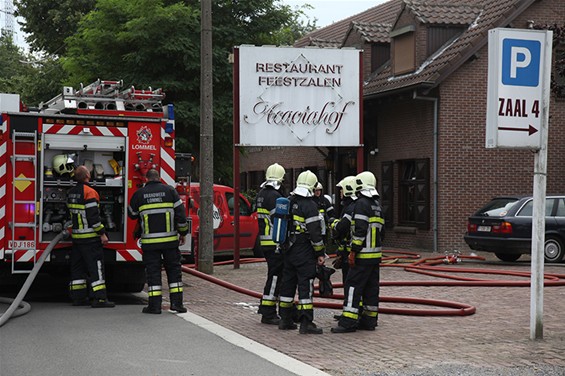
87	271
268	306
299	272
170	258
361	287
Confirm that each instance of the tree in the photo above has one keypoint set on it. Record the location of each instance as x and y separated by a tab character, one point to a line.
48	23
34	80
157	42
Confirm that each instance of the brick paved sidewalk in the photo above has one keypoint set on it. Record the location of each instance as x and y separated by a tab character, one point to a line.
495	338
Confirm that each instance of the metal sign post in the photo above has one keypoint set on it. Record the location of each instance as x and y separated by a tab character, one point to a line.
519	75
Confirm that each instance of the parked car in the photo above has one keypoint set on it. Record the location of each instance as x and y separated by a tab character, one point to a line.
504	227
223	212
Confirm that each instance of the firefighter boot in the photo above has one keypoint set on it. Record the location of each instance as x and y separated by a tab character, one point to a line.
285	322
176	302
154	305
102	303
308	327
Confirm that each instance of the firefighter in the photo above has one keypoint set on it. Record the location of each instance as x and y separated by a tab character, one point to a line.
88	236
325	207
341	227
162	220
271	189
362	283
303	251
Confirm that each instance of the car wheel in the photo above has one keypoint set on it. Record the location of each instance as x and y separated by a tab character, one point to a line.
509	257
553	250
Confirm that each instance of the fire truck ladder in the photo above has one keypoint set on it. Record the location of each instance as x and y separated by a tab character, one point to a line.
22	155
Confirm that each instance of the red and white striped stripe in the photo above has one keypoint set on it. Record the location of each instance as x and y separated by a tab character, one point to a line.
78	129
128	255
167	158
3	166
27	255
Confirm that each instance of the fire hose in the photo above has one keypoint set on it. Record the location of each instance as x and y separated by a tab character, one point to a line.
18	306
427	266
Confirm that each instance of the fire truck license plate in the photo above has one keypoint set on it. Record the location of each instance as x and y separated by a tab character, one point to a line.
21	244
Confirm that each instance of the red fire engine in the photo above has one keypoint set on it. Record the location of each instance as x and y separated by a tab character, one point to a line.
119	135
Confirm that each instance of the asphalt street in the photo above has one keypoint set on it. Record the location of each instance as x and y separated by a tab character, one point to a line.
55	338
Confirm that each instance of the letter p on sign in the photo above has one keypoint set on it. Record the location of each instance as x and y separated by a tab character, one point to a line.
521	62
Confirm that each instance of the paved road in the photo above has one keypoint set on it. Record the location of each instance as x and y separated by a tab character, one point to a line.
57	339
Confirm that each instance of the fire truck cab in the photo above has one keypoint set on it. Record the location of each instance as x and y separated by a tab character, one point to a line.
118	134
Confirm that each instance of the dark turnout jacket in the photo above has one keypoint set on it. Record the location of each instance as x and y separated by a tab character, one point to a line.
161	213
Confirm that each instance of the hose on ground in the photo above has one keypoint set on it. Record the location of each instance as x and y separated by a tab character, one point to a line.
17	306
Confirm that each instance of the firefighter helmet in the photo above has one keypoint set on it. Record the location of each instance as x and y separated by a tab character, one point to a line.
305	184
366	184
348	186
63	164
274	175
319	187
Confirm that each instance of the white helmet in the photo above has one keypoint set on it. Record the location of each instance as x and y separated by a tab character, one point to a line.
319	186
63	164
274	175
366	184
305	184
348	186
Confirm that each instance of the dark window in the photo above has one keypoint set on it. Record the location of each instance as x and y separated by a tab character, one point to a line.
414	201
380	54
244	208
386	192
439	35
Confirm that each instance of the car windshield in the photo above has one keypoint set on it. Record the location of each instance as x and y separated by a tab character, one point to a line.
497	207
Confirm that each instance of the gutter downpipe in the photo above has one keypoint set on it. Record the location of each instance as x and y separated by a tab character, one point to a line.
435	164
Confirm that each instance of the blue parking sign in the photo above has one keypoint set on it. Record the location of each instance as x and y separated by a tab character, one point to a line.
521	62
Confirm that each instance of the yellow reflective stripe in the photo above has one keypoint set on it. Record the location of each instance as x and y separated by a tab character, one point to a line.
369	255
76	206
168	221
262	211
154	293
370	313
318	248
146	223
99	287
268	242
77	287
298	218
84	236
304	306
350	315
159	240
286	304
373	237
357	241
269	303
377	220
156	206
176	289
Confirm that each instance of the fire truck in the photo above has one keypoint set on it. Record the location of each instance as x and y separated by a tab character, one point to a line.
119	135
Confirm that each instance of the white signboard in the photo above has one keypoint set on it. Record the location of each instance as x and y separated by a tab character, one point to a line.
519	68
299	96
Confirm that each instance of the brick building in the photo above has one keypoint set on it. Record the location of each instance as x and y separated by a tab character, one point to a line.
425	97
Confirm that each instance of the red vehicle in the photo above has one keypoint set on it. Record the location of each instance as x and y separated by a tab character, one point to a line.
224	220
118	135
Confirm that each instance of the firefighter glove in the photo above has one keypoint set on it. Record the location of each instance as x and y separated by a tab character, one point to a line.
351	259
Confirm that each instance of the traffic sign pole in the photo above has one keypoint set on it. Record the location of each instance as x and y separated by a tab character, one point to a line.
540	185
519	77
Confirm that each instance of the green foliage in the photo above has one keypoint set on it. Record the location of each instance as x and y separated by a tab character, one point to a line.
157	43
36	80
49	22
